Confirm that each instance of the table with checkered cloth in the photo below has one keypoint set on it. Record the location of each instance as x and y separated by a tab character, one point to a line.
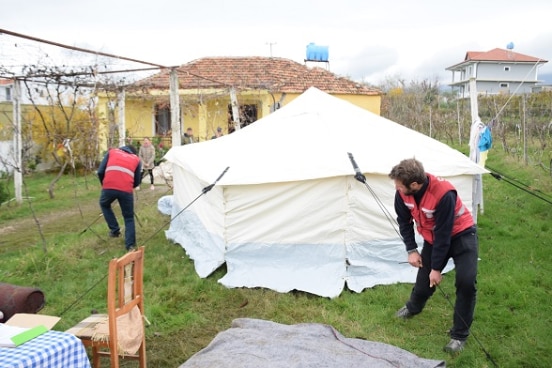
54	349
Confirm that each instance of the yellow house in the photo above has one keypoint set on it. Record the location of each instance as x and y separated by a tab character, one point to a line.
6	110
230	93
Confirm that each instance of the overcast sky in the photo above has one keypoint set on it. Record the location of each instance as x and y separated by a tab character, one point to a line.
367	40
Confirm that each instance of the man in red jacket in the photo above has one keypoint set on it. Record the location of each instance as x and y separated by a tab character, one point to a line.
449	231
120	172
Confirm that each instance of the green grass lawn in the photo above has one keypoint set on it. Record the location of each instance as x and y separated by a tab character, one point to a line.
513	319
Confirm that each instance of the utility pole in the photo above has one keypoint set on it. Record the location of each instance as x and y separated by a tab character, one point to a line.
270	45
176	127
473	100
477	185
122	123
17	142
524	125
235	108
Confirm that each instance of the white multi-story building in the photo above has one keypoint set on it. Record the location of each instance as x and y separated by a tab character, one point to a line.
496	71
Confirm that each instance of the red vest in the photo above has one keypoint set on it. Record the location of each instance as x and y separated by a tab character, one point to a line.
119	171
423	214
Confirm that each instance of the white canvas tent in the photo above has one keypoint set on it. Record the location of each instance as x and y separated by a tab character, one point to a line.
289	214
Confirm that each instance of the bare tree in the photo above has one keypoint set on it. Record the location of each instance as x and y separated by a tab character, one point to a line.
64	121
519	123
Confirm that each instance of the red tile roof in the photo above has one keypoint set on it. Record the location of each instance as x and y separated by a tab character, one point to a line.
268	73
501	55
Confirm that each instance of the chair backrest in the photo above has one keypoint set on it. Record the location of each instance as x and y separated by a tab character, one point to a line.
124	294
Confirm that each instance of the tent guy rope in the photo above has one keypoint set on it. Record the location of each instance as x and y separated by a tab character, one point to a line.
203	191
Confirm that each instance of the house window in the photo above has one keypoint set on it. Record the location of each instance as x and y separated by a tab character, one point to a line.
506	68
248	115
8	94
503	85
162	119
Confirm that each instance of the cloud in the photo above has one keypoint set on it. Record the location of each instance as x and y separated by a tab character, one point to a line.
368	62
367	41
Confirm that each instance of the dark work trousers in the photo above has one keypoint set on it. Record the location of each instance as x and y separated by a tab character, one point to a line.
148	172
126	202
464	252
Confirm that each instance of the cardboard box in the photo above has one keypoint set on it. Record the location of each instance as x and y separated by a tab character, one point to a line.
28	320
22	327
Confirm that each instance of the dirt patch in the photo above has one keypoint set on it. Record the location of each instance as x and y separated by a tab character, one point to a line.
46	219
6	230
25	231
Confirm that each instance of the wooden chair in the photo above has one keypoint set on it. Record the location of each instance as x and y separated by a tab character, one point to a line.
104	333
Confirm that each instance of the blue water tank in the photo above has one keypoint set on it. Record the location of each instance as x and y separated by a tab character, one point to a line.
317	53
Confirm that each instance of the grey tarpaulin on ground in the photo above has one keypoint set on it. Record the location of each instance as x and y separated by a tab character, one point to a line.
253	343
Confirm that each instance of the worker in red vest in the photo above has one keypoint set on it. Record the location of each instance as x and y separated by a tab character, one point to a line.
448	231
120	172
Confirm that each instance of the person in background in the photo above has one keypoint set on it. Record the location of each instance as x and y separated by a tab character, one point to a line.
119	172
448	231
218	133
147	156
188	136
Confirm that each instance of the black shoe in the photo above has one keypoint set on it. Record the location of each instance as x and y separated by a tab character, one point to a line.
114	234
132	248
404	313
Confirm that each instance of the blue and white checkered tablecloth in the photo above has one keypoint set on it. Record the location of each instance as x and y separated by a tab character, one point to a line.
54	349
